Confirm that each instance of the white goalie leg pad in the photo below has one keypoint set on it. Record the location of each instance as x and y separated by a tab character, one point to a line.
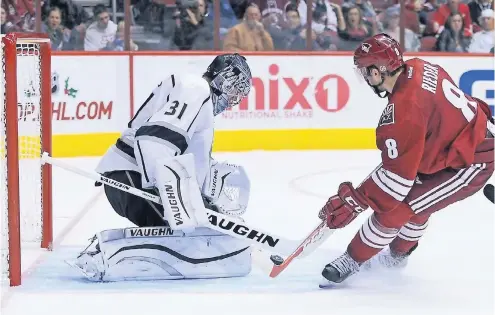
160	253
181	197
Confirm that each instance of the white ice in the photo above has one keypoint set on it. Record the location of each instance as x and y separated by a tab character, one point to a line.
451	272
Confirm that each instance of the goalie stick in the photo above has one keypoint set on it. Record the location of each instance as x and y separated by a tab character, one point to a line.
217	221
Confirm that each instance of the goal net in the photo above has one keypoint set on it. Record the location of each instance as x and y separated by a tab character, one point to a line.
25	131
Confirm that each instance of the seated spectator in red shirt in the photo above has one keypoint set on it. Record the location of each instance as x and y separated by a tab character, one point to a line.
452	6
452	38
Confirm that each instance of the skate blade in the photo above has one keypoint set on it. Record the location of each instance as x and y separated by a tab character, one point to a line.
327	285
73	264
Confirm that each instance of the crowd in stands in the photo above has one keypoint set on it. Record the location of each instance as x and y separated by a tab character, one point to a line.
258	25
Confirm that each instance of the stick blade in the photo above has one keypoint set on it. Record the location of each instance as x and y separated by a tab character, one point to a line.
308	245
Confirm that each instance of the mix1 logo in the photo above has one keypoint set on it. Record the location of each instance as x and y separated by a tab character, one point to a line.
288	97
480	84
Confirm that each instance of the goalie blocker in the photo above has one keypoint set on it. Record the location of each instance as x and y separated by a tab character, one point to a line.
160	253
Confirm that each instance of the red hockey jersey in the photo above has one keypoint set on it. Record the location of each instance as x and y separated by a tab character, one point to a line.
428	125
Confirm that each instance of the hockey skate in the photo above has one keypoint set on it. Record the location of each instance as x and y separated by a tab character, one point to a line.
388	259
90	262
339	270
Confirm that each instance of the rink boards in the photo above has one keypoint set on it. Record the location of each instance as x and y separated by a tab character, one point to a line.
298	101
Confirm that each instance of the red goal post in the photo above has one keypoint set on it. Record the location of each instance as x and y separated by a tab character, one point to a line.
26	132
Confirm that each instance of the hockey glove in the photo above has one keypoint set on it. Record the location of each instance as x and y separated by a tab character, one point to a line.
343	208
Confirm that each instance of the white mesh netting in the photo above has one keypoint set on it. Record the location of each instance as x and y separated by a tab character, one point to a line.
29	140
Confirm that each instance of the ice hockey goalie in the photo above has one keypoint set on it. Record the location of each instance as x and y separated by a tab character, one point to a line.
166	150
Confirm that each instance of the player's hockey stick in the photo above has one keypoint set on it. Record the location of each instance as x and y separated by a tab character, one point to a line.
307	246
217	221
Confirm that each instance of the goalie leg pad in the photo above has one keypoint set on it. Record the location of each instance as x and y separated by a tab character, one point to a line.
160	253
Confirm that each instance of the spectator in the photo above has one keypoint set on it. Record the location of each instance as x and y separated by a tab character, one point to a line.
320	21
302	8
392	28
118	43
101	32
293	35
239	7
368	12
419	6
340	16
452	38
227	17
415	15
250	34
21	14
475	9
483	41
325	37
59	36
192	31
331	13
17	12
444	11
433	5
74	16
272	12
7	26
356	29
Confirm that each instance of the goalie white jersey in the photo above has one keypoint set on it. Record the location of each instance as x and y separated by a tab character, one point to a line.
175	119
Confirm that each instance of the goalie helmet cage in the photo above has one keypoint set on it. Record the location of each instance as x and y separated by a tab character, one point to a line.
26	115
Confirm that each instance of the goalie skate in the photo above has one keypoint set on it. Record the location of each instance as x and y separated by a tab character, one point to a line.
89	263
339	270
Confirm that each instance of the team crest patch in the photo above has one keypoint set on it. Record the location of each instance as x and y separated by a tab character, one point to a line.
387	117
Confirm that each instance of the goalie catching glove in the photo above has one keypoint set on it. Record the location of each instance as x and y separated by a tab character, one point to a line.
227	188
343	208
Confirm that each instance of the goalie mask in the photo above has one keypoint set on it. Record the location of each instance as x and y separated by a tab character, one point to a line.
227	188
229	77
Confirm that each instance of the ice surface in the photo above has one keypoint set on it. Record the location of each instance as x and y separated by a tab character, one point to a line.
451	272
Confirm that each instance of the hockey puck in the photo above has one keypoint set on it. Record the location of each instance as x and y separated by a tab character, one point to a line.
276	259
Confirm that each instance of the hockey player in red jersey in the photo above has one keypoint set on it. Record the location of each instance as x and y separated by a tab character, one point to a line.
436	149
